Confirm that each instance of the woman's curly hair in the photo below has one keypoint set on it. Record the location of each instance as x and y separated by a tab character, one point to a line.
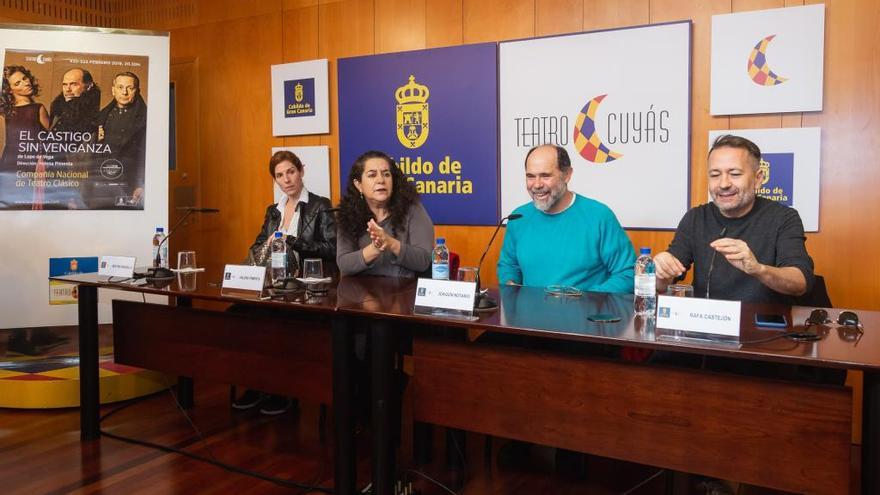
355	213
7	101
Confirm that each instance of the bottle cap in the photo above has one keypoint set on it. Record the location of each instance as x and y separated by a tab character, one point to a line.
645	250
160	229
441	240
278	234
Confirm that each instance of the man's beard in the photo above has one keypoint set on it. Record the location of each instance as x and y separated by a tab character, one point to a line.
552	199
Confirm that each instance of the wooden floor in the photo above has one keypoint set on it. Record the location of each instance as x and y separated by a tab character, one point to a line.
40	453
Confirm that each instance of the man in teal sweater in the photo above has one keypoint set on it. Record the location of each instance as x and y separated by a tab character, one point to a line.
564	238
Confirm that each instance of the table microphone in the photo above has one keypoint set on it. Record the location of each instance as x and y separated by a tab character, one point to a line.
712	263
160	271
483	301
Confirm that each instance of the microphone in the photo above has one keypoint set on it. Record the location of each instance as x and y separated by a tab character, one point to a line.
712	263
161	271
483	301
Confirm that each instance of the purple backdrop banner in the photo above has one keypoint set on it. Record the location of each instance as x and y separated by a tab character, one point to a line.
435	111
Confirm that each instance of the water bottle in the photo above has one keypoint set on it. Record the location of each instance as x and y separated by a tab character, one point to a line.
279	258
440	260
158	237
646	284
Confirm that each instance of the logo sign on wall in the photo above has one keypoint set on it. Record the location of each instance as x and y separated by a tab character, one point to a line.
618	102
790	166
434	111
299	98
768	61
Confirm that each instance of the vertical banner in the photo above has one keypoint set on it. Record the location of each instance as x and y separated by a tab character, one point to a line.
790	164
768	61
619	102
434	111
75	128
83	159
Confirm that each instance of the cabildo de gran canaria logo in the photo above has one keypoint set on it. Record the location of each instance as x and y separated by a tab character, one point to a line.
412	114
759	68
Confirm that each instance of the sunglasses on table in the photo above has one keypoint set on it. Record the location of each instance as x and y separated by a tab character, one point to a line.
849	327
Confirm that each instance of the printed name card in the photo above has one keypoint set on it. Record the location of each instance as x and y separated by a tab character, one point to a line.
445	297
707	316
243	278
117	266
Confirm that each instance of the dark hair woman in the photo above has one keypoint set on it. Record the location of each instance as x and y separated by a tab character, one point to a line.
20	110
383	227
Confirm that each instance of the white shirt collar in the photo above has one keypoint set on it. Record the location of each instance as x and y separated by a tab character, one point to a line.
303	198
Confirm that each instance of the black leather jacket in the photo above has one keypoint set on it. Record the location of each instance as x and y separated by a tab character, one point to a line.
316	233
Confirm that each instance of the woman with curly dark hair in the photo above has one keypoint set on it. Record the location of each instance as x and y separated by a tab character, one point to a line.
383	227
21	112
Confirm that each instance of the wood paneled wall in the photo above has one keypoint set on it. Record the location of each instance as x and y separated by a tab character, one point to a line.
230	44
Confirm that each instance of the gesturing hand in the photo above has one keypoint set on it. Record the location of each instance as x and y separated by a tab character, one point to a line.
738	254
377	235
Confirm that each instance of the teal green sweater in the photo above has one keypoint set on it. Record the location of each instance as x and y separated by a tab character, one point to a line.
583	246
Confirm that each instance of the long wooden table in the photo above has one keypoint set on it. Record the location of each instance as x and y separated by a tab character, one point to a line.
531	376
541	381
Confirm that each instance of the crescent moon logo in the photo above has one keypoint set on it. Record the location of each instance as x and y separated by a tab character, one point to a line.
586	139
40	59
759	69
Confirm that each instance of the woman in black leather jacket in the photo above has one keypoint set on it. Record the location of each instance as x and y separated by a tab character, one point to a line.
301	215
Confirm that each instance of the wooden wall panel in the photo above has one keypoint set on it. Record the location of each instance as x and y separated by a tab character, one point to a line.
400	25
498	20
444	23
602	14
235	129
299	43
558	17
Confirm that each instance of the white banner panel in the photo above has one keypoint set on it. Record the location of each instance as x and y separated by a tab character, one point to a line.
618	101
31	237
790	158
316	169
768	61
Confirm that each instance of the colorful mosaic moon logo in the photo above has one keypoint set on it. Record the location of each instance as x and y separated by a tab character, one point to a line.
759	69
586	139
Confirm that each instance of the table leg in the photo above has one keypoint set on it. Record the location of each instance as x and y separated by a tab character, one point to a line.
383	403
185	387
89	386
871	433
345	475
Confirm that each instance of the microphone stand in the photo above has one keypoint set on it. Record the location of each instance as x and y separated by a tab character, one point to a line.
483	302
160	271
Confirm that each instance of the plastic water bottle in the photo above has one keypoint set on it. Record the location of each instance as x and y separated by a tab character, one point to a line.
279	258
646	284
158	237
440	260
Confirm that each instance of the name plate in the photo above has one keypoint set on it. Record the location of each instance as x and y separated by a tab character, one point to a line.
706	316
244	278
445	298
117	266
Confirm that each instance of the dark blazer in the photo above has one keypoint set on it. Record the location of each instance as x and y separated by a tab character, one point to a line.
316	233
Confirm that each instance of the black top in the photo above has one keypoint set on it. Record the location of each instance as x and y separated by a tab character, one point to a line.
774	233
316	233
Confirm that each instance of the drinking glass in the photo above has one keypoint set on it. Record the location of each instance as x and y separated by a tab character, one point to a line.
680	290
468	273
186	260
187	281
313	268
